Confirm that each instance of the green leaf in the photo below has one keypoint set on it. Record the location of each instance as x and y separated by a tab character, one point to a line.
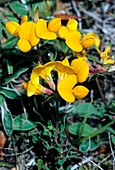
6	117
88	145
75	127
87	130
9	67
22	123
11	42
113	140
82	108
40	164
111	130
18	8
61	161
18	70
45	167
9	93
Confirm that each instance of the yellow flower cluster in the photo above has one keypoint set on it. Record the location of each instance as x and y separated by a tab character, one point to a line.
30	33
68	77
69	74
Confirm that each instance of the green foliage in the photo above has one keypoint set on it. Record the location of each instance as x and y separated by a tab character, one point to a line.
22	123
6	117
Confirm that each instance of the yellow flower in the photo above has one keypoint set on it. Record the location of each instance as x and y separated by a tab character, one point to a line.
45	73
45	31
72	25
54	24
97	39
63	31
80	92
27	36
71	35
73	41
106	59
33	89
63	69
81	68
13	27
67	90
88	40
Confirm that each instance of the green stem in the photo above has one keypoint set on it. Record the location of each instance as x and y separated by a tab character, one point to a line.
84	121
57	112
99	131
100	91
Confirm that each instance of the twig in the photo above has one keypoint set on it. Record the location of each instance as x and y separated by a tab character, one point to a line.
90	14
104	159
100	91
94	163
17	154
111	150
77	13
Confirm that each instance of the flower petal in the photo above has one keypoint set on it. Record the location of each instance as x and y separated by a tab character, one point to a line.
72	24
97	39
34	40
65	88
63	70
42	31
24	19
12	27
88	40
63	31
80	92
23	45
73	41
54	24
81	68
33	89
27	32
65	62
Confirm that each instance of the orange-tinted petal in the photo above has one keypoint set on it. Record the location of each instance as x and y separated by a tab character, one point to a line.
81	68
97	39
54	24
12	27
24	31
72	24
65	88
80	92
42	31
65	62
34	40
88	40
23	45
24	19
25	85
27	32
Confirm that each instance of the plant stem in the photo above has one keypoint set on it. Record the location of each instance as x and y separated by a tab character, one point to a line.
99	131
100	91
39	54
57	112
84	121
